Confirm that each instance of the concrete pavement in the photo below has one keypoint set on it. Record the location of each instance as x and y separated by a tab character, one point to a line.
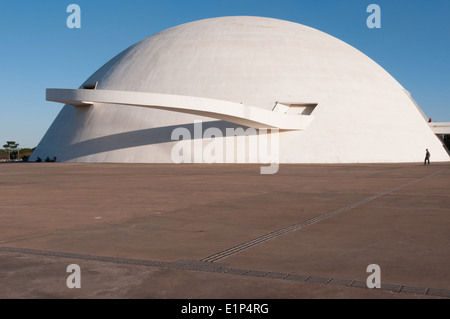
224	231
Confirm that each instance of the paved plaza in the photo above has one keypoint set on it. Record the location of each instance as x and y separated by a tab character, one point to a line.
167	231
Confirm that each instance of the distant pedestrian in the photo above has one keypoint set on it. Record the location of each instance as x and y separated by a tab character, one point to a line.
427	158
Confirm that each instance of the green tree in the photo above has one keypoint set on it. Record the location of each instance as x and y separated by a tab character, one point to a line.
11	146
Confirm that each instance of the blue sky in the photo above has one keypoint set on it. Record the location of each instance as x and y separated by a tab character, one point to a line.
39	51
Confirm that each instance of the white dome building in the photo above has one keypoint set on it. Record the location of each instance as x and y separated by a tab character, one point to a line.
330	102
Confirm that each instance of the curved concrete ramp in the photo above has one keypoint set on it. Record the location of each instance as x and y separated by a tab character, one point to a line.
249	116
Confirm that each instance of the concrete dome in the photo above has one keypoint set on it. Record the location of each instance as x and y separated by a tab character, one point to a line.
359	112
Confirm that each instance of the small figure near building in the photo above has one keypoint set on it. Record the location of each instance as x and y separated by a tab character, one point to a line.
427	158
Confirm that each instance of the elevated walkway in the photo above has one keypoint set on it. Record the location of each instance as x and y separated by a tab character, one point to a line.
440	128
246	115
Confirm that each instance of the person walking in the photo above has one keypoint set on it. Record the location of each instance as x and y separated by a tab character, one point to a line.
427	158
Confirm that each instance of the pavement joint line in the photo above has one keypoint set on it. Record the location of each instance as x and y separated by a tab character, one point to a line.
195	265
271	235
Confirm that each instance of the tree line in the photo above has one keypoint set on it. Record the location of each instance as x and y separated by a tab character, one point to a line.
11	151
